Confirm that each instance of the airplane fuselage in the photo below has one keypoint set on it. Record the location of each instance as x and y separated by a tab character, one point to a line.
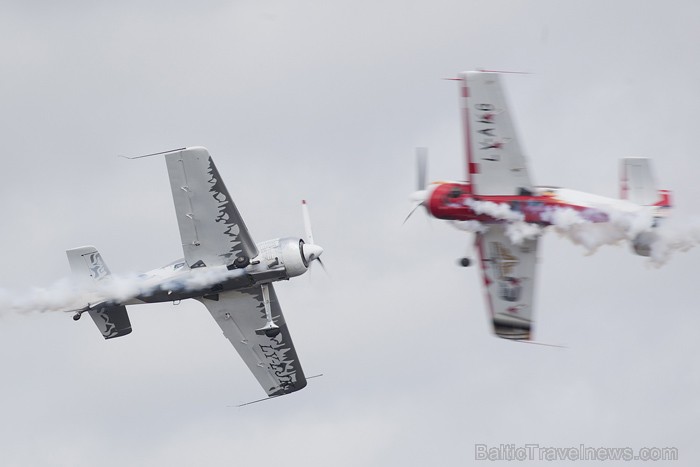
455	201
279	259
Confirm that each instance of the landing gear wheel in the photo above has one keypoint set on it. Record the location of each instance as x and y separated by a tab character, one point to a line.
241	262
465	262
77	316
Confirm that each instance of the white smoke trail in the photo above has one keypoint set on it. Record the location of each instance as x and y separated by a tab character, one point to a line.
500	211
569	223
673	236
470	226
62	295
201	278
72	294
622	226
518	232
517	229
636	227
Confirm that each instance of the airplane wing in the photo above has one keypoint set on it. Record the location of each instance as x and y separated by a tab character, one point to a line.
211	228
508	271
495	162
272	360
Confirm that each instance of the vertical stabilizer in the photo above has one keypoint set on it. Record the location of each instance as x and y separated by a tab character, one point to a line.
637	182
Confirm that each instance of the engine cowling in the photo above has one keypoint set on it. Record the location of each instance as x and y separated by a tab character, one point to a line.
291	255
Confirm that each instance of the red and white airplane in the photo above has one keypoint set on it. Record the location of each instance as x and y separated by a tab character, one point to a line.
500	203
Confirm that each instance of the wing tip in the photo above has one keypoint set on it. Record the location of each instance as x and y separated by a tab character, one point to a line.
282	390
510	332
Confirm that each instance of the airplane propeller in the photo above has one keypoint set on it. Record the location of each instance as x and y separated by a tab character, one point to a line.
311	250
422	166
420	196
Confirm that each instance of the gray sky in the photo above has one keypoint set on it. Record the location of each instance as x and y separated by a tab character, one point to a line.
326	101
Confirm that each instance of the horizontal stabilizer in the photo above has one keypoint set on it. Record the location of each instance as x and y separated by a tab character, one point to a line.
111	320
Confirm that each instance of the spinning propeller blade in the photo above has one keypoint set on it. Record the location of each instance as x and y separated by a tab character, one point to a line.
422	167
420	195
311	250
307	222
412	211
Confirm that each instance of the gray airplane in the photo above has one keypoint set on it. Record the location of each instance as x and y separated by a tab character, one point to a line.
223	268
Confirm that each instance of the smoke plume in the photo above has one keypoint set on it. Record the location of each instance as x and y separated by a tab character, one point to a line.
73	293
662	237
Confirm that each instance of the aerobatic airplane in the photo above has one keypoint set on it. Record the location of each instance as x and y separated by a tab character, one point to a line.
499	202
223	268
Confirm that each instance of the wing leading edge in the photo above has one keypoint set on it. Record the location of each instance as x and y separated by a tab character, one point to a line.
211	228
272	360
508	271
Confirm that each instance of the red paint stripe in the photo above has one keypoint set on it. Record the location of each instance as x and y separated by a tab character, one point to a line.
467	132
473	168
623	182
665	200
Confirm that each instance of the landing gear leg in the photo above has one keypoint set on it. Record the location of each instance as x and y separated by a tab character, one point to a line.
270	329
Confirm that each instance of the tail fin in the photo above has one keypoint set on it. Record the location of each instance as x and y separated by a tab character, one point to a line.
86	261
638	186
111	320
637	183
665	199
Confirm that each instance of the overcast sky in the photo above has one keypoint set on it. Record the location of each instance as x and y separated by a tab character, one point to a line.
327	101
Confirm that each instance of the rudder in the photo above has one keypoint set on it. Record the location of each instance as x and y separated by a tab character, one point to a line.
637	182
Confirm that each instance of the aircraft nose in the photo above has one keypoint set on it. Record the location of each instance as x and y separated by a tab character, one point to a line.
312	252
419	196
